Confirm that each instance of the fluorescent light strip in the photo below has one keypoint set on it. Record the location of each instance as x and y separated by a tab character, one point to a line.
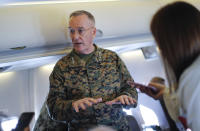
55	2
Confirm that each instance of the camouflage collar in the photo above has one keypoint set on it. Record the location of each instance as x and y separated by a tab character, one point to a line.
95	57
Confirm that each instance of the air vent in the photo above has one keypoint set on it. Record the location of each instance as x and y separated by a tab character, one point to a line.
18	48
99	33
3	69
149	52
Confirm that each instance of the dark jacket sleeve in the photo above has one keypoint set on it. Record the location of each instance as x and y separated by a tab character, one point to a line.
58	104
125	76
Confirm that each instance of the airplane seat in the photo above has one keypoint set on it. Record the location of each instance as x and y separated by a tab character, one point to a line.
133	124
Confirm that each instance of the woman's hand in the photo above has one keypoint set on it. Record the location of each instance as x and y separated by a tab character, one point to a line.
155	90
158	87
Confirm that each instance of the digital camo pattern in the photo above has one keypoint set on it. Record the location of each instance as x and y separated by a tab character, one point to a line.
45	123
103	75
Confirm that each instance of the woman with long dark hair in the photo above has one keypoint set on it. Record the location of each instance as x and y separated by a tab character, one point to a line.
176	29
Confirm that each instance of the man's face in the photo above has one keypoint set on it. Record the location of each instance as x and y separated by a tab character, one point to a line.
82	33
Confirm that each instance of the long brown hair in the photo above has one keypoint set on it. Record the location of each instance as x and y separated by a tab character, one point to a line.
176	29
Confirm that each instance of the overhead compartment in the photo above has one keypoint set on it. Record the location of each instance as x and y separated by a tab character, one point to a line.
39	28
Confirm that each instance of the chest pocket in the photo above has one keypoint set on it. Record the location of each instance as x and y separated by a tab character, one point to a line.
76	82
108	80
104	74
109	75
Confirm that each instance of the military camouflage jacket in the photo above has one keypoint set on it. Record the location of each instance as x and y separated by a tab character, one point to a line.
103	75
45	123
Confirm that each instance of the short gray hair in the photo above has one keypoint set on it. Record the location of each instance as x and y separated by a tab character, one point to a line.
102	128
83	12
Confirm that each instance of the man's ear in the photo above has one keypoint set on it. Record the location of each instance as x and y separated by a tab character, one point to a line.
94	32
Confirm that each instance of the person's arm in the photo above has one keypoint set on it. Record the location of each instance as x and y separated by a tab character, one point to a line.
58	104
127	95
193	113
125	76
188	94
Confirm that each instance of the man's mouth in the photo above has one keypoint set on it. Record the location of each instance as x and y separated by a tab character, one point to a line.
77	43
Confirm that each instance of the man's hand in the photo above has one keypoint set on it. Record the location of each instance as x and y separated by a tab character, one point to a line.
123	99
83	103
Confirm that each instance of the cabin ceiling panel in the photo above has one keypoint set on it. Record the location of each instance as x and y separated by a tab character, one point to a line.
37	25
44	25
42	28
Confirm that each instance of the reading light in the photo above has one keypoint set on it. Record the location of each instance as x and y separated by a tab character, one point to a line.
48	68
5	75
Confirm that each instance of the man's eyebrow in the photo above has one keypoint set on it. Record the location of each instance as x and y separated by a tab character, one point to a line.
77	27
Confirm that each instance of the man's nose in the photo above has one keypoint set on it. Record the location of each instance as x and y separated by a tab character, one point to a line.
75	35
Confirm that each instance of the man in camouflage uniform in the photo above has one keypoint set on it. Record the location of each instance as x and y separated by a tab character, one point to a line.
88	87
45	123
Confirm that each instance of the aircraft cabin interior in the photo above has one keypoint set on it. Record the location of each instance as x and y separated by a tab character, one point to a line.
34	37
